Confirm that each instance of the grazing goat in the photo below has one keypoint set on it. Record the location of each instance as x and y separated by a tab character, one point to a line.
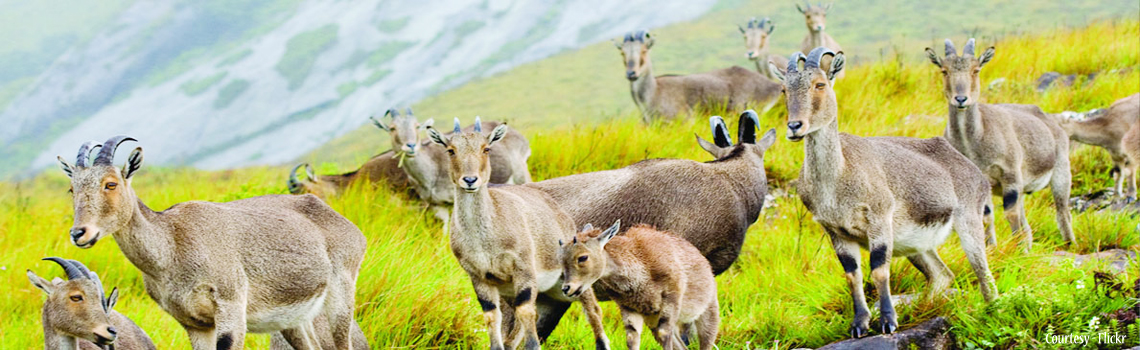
261	264
79	315
816	18
664	97
506	239
383	168
656	278
426	166
756	42
711	204
1106	128
1019	147
891	195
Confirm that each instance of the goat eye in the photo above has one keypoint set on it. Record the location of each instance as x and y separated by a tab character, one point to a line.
582	259
820	85
77	298
487	150
451	152
110	185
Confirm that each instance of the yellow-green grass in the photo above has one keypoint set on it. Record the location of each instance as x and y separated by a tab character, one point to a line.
786	289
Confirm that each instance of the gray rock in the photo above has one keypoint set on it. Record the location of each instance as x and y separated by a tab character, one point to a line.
933	334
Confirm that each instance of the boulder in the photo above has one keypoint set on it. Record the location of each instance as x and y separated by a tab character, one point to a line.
933	334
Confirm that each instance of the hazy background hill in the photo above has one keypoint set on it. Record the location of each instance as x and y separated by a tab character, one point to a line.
220	84
217	84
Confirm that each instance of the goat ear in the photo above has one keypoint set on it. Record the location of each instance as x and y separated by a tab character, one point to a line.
616	44
933	56
67	169
708	146
649	41
741	29
427	123
112	299
134	162
609	233
772	67
799	8
309	172
771	27
380	124
497	134
436	136
42	284
587	227
767	140
837	63
986	56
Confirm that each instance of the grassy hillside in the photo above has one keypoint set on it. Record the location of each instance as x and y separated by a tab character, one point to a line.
786	290
588	85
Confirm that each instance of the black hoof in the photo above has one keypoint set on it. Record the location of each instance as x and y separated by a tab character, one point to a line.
859	332
888	327
601	345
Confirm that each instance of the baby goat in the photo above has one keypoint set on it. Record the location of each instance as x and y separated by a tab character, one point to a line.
78	314
891	195
506	239
656	278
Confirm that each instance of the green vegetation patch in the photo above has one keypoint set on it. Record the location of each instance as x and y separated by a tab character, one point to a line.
230	92
376	76
198	86
302	51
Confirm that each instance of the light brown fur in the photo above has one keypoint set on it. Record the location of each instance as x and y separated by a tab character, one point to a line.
260	264
891	195
756	42
1130	143
709	204
382	170
425	164
506	239
1019	147
1106	128
77	314
667	96
816	20
656	278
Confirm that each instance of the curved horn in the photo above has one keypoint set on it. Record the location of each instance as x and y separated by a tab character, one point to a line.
72	271
457	127
478	125
719	132
309	172
969	49
815	55
294	183
746	130
94	277
408	111
392	113
107	154
794	61
950	50
85	153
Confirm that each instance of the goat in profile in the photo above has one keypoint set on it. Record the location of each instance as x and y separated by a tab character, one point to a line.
79	315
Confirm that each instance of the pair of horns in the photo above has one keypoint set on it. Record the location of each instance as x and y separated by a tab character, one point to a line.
106	151
459	128
758	24
746	130
967	51
392	112
76	270
810	61
640	35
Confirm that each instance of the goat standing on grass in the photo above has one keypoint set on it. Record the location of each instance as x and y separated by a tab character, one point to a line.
383	168
426	165
79	315
891	195
709	204
506	239
656	278
261	264
1019	147
756	41
816	19
666	96
1106	128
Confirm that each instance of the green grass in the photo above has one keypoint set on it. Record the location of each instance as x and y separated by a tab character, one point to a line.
302	50
785	291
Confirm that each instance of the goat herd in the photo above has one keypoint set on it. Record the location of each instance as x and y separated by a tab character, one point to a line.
288	264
